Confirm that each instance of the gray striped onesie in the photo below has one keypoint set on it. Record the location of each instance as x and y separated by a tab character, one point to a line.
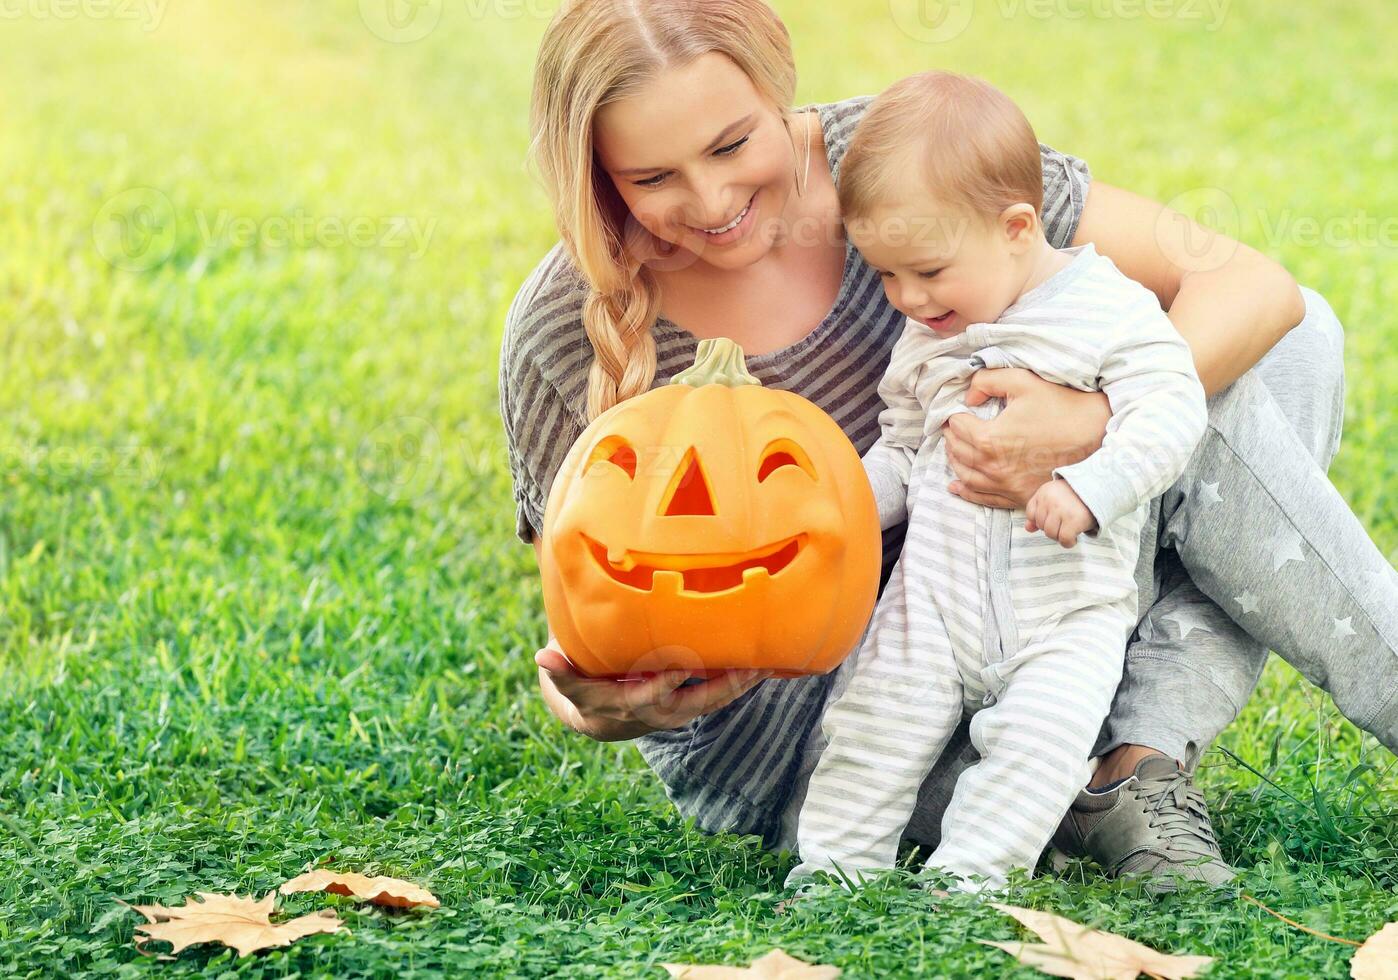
981	616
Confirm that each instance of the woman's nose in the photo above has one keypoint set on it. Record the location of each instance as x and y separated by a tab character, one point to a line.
711	208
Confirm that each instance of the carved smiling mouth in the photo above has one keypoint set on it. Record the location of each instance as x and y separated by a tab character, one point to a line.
695	573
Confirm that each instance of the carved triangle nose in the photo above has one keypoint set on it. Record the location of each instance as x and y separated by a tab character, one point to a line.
689	490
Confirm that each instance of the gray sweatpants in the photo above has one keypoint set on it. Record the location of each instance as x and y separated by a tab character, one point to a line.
1256	550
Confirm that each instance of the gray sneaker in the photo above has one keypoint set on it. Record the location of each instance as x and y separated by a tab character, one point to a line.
1155	823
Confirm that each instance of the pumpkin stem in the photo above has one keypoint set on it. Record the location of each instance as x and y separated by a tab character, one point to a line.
718	361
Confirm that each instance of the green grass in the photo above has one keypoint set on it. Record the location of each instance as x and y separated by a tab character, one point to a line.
260	600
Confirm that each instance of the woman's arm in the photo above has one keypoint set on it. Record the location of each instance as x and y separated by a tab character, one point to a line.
1228	301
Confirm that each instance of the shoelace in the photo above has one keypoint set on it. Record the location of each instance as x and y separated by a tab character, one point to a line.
1178	812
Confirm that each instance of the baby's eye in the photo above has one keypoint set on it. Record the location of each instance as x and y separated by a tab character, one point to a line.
929	275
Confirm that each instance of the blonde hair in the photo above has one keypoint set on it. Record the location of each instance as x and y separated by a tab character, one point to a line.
593	53
968	143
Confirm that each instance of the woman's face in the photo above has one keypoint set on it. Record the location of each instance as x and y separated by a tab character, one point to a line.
702	162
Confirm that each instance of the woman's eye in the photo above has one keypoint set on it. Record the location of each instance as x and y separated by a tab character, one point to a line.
722	151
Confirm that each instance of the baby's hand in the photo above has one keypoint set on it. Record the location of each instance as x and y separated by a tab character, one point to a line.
1059	512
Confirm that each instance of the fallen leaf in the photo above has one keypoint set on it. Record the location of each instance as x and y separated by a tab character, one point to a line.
1377	959
381	890
1070	949
776	965
241	923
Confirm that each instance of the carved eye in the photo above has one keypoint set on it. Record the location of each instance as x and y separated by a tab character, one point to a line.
617	451
783	452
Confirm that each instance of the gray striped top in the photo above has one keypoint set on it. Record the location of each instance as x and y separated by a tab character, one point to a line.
545	353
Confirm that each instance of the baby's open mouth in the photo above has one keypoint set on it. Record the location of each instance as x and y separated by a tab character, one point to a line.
694	573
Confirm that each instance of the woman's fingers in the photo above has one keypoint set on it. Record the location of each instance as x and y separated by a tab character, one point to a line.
571	684
1006	383
963	464
718	691
553	661
968	432
995	500
603	695
659	700
669	705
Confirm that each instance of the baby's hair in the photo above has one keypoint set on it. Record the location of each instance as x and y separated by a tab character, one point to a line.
960	138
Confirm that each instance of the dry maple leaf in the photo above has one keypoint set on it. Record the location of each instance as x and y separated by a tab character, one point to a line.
242	923
1377	959
1070	949
776	965
381	890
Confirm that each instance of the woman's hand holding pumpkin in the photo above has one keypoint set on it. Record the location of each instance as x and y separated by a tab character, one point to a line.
1001	462
614	710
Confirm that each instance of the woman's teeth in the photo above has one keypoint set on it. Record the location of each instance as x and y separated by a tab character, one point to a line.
731	225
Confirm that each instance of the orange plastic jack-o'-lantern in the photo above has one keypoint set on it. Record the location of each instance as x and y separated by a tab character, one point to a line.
710	524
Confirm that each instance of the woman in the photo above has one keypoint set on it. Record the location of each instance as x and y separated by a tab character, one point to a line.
693	202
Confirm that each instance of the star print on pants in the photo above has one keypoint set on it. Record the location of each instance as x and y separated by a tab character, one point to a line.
1208	493
1327	335
1248	601
1266	413
1187	621
1381	577
1343	628
1286	546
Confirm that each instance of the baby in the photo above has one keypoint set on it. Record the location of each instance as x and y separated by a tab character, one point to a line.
941	190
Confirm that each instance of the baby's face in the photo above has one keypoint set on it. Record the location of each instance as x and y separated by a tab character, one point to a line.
944	268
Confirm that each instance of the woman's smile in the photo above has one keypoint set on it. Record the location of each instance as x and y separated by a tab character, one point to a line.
736	227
